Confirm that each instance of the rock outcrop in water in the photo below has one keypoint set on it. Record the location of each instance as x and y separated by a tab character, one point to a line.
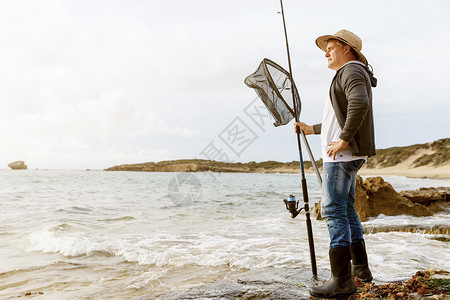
18	165
435	199
374	196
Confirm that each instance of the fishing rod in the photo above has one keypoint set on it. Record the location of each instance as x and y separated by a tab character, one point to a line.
291	204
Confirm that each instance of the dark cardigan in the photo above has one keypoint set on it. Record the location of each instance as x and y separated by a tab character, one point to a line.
351	97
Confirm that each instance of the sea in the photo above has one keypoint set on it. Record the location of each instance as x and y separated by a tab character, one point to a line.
87	234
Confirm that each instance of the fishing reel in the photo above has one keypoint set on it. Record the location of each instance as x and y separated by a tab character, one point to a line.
292	206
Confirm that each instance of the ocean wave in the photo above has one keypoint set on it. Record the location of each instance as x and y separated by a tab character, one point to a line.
61	227
47	241
57	264
125	218
75	210
406	220
204	250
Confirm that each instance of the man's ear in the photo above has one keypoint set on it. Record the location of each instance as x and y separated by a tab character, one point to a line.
347	49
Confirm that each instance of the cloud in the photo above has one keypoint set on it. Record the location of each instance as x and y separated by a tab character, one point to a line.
124	79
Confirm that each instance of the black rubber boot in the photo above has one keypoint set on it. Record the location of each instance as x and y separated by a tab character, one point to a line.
360	265
341	282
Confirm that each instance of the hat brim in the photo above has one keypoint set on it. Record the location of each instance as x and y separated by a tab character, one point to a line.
322	42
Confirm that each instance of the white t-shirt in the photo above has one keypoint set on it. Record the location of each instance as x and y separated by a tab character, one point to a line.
330	133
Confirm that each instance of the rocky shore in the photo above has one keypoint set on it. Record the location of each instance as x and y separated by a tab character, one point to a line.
428	284
291	284
375	197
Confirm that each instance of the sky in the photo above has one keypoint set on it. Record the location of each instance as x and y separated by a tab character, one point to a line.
92	84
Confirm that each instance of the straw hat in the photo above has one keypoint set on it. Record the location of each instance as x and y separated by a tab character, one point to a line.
345	36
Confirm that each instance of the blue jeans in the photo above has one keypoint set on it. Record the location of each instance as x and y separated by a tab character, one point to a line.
338	199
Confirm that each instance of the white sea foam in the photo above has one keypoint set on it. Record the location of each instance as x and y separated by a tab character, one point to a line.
47	242
204	250
397	254
383	220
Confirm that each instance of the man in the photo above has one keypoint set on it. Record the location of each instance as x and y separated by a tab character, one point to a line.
347	138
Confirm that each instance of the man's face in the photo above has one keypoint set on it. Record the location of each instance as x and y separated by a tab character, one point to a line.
335	55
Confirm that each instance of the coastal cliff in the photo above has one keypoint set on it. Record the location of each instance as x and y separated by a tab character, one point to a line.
430	160
200	165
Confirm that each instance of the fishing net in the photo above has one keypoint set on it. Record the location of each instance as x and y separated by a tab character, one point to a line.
273	86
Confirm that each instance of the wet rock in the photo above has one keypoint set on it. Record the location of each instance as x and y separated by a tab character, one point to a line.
439	206
17	165
362	207
436	198
285	283
375	196
441	229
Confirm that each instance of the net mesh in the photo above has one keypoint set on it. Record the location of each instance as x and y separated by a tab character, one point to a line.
273	86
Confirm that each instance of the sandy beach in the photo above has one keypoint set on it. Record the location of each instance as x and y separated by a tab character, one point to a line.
406	169
420	172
